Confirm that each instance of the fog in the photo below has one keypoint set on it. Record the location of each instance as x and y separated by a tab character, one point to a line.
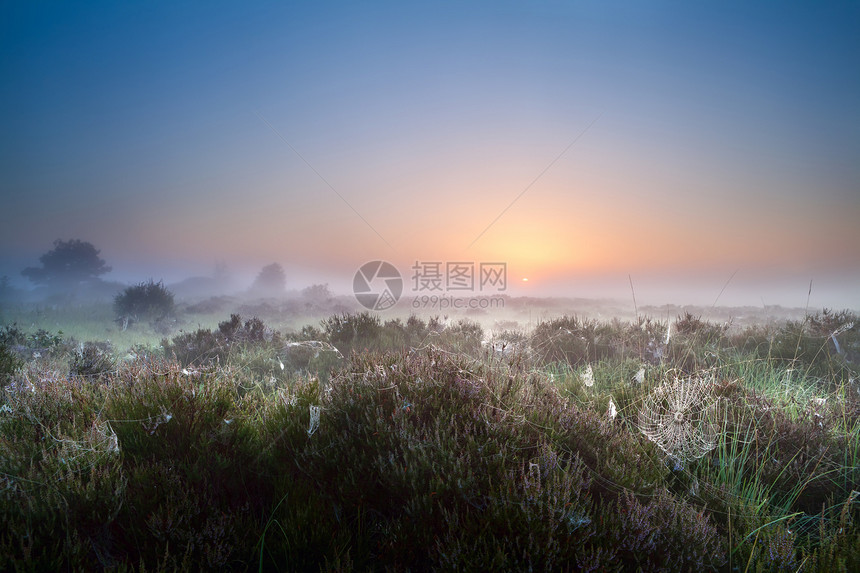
671	155
623	292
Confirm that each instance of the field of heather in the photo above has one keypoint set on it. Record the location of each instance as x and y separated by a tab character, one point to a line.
354	443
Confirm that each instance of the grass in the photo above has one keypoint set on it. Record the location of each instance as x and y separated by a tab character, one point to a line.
412	445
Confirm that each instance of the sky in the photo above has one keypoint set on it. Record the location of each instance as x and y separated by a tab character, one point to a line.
699	151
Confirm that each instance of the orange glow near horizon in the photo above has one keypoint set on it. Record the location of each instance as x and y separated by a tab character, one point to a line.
551	231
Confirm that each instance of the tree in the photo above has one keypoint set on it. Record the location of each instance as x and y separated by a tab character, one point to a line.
68	263
272	280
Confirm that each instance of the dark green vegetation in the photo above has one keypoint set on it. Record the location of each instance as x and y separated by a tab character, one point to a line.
362	444
68	264
145	301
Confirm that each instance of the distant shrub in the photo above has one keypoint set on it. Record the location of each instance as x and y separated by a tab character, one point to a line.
509	343
145	301
827	322
69	263
209	305
270	282
317	293
309	332
571	339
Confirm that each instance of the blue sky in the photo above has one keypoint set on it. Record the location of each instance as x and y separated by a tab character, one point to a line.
724	137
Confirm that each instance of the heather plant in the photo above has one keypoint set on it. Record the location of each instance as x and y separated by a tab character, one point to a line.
353	332
45	340
695	344
9	362
61	472
93	360
663	534
312	357
209	347
12	335
397	335
366	332
191	481
17	346
796	459
645	340
462	337
198	348
838	547
436	427
571	339
778	462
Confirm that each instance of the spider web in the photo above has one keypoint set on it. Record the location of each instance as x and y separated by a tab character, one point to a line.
680	416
